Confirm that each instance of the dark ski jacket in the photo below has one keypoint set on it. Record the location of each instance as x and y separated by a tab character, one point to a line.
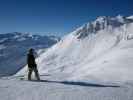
31	60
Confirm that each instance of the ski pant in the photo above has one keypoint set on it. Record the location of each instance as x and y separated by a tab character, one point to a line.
30	73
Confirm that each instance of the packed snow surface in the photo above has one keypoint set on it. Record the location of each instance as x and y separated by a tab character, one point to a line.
54	89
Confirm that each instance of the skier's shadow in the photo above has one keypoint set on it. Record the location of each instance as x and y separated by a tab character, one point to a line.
78	83
45	75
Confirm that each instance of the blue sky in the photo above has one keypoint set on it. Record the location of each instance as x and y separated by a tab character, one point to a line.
56	16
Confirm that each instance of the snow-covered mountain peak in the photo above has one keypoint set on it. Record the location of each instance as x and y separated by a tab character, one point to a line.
102	23
130	17
120	19
100	19
22	36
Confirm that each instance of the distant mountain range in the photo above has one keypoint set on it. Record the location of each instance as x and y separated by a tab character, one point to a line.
14	47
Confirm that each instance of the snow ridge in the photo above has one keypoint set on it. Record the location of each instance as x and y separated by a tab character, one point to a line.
102	23
101	50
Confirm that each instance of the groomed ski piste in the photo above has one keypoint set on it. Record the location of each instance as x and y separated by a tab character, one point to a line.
94	62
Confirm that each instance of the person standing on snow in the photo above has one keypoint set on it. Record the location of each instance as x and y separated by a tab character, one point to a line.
32	66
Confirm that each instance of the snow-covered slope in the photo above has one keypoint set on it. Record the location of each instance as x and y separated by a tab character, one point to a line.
101	50
14	46
92	63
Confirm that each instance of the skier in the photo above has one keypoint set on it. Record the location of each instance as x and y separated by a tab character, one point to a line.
32	66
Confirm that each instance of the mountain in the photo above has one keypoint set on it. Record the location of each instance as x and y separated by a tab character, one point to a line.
14	47
101	50
94	62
